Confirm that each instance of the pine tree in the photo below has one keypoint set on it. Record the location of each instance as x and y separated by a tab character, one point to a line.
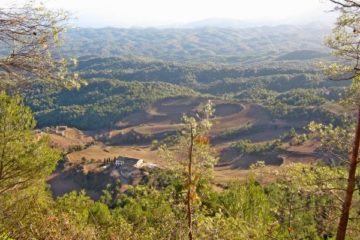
24	159
194	157
345	41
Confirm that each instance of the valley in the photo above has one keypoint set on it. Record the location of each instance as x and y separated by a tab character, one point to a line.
173	120
131	106
139	135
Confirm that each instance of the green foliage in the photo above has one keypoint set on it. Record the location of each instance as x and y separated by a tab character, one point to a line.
193	157
4	236
299	205
344	42
256	94
194	136
261	80
100	214
150	209
119	86
301	97
24	160
335	141
170	140
77	205
246	147
95	216
243	211
305	199
279	110
103	102
246	201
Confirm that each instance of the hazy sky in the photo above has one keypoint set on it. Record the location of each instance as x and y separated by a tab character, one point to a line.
166	12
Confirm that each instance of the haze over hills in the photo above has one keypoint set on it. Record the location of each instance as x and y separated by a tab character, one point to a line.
236	23
228	13
210	44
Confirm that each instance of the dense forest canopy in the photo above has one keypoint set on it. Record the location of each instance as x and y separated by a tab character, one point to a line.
100	104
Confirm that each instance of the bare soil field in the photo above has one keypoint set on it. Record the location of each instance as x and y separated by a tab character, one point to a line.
127	139
101	152
304	153
69	138
171	110
226	109
94	152
165	115
157	128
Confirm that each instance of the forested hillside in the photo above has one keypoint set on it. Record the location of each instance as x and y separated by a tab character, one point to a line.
118	86
100	104
218	45
250	64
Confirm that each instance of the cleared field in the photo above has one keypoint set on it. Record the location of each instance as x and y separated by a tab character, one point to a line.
95	152
250	114
304	153
100	152
157	128
226	109
223	176
69	138
171	110
166	115
132	137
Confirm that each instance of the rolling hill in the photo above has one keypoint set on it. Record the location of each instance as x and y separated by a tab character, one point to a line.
204	44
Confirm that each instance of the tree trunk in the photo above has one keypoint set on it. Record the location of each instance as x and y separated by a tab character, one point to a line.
189	213
345	211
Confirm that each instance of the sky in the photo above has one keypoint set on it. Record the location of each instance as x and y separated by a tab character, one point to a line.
155	13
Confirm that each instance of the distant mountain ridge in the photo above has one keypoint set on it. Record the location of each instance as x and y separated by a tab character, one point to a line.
222	23
235	23
209	44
